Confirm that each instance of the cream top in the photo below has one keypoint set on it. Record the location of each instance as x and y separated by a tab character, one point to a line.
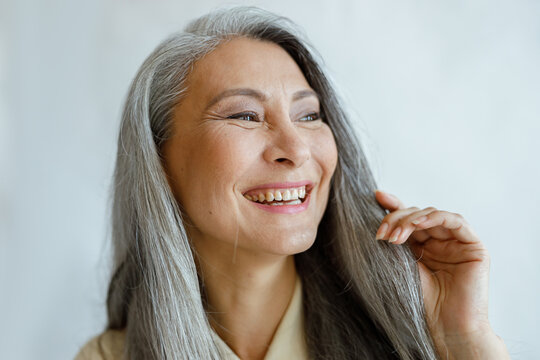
288	341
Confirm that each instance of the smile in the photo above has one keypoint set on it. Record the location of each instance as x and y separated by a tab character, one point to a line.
278	197
281	199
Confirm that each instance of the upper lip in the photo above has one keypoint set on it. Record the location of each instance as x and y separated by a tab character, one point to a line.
282	185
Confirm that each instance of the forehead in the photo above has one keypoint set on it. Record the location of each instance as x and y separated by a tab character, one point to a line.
243	62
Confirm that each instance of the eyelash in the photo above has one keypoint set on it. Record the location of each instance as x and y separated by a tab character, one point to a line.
315	115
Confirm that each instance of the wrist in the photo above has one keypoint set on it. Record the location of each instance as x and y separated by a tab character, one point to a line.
477	346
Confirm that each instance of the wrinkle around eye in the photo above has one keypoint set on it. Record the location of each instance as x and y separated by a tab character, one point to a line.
310	125
248	125
224	121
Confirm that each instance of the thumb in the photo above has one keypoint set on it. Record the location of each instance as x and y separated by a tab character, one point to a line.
388	201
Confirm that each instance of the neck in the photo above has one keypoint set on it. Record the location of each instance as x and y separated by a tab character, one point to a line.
246	299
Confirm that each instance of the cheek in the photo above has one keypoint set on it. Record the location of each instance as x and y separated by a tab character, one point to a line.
226	154
215	160
324	151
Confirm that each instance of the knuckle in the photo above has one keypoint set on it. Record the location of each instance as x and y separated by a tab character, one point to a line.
393	216
430	209
403	223
388	218
462	220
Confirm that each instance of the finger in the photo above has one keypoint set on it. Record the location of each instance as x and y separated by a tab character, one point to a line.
454	251
416	235
388	222
400	224
438	232
453	222
411	228
418	251
388	201
412	233
407	226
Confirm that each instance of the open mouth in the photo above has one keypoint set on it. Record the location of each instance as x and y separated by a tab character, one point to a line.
280	197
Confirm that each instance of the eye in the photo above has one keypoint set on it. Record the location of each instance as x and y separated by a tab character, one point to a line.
312	117
248	116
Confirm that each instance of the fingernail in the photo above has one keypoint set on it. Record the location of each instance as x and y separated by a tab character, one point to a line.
419	220
395	235
382	231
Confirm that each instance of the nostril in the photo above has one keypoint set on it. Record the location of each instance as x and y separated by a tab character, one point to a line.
281	159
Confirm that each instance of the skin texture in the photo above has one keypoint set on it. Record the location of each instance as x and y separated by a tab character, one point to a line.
454	269
244	253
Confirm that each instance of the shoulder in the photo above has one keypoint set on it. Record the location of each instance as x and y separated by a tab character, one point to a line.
108	345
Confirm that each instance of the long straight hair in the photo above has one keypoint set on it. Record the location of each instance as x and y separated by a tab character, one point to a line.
362	297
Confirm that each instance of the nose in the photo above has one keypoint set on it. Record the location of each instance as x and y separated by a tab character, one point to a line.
287	145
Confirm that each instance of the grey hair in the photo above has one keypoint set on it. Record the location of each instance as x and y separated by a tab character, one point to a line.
362	298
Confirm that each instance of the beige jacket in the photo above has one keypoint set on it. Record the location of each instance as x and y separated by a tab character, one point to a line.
288	341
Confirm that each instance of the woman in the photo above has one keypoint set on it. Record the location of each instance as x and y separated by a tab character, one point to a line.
246	223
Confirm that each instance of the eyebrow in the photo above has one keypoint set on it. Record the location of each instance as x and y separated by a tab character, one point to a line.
300	94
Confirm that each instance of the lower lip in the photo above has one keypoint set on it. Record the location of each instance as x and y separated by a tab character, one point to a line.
284	209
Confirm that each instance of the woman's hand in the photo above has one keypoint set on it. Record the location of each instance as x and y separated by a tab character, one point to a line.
454	269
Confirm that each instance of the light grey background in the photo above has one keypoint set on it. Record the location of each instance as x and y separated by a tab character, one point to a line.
446	95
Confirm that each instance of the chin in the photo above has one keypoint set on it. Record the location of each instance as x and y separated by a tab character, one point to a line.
290	245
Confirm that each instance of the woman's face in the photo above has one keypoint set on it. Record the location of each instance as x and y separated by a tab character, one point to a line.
248	127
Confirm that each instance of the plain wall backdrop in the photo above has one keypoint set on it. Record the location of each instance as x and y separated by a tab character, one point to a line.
445	95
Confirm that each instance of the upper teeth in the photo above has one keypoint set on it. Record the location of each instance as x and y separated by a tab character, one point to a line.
279	195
